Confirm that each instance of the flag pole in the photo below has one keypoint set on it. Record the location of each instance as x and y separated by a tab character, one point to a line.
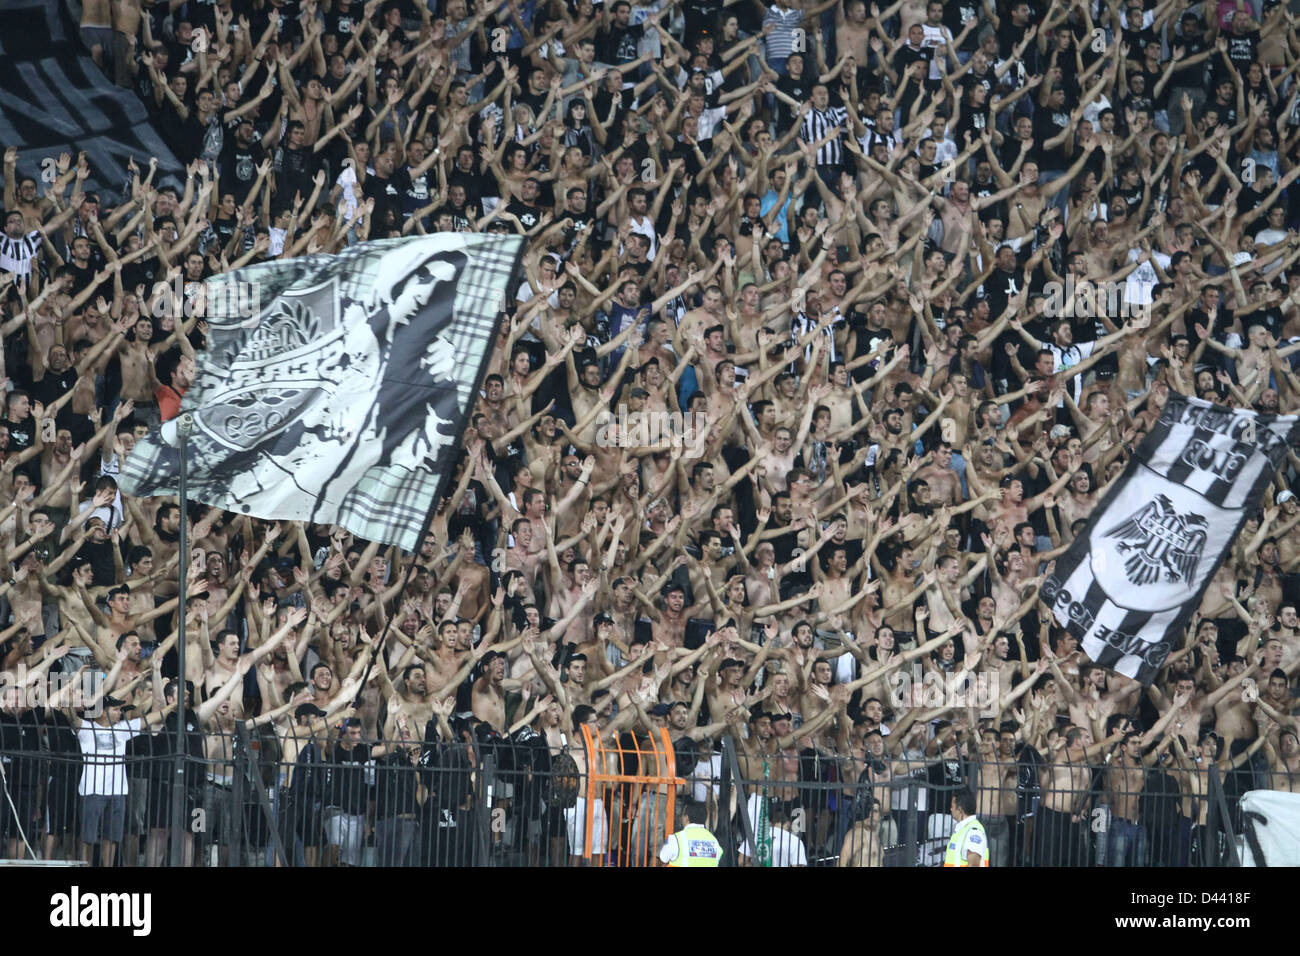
183	426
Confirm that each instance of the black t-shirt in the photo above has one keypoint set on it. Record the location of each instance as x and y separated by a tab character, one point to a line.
60	737
238	166
52	386
414	191
143	271
1009	35
701	15
459	216
472	182
1048	125
385	194
396	782
618	46
1001	286
340	22
528	216
906	56
347	779
185	135
1242	51
1187	76
797	88
956	16
100	556
974	122
1137	40
20	734
534	101
225	230
21	433
297	166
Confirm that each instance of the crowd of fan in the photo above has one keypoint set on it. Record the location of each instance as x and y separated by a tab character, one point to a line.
789	420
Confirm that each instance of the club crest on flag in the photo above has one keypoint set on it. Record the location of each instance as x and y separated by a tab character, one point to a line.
1159	545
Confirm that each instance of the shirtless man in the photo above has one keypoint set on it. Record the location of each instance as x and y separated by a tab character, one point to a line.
1092	703
139	379
411	700
899	588
996	797
1013	510
945	486
119	619
1284	765
228	658
1065	781
488	695
1125	780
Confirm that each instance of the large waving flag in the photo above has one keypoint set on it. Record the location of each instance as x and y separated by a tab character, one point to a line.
342	397
1133	577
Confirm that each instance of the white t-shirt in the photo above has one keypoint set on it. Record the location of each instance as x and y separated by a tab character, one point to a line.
708	121
938	827
1142	280
935	36
103	749
1064	359
787	849
705	777
278	236
347	181
111	515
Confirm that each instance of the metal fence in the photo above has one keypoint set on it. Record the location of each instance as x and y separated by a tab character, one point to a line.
509	803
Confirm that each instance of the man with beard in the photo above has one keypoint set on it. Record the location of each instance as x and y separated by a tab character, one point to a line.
488	699
242	154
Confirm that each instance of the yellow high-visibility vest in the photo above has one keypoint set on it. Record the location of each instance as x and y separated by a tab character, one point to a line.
971	831
696	846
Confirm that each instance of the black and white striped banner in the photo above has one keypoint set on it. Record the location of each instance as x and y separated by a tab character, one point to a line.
1136	573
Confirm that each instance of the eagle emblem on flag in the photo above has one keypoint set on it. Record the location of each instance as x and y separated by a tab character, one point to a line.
1157	540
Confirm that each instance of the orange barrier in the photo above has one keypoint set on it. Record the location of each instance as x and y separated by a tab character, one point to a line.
637	810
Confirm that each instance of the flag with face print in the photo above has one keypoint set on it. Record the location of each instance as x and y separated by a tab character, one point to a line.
337	391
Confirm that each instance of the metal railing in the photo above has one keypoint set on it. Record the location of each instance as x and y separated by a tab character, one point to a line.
516	802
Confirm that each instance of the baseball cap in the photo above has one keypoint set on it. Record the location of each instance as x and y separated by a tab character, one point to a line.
660	710
603	618
1285	496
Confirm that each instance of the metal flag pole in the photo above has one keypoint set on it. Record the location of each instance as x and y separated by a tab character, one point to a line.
179	829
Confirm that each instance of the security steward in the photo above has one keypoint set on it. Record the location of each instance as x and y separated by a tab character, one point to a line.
968	845
693	844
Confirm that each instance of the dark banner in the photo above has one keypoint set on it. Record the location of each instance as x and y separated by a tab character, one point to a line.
56	100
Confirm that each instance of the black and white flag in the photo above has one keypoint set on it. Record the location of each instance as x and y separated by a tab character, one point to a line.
1133	577
339	396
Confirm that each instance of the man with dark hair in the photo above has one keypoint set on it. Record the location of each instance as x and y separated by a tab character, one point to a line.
968	846
692	844
175	372
347	796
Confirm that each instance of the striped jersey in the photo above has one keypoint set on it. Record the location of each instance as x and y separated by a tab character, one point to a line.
816	124
16	255
780	43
